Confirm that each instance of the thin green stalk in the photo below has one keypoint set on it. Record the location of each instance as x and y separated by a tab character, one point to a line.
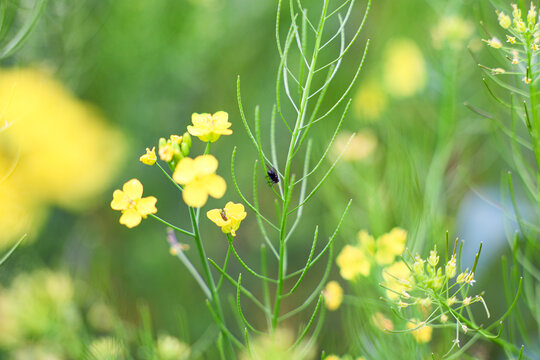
214	302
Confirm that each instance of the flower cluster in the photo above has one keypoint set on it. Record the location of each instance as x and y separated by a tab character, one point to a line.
196	176
433	287
522	41
357	260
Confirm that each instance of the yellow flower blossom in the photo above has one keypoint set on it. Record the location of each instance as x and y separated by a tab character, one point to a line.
352	261
396	278
504	20
52	151
494	43
229	218
199	179
332	357
367	242
134	207
333	295
404	68
452	31
359	148
390	245
370	101
424	332
209	128
166	151
150	157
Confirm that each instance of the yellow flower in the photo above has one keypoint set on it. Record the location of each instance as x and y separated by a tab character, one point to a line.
229	218
423	333
199	179
367	242
332	357
390	245
452	31
134	207
209	128
494	43
360	147
404	68
352	261
396	278
150	157
504	20
333	295
51	152
166	151
369	101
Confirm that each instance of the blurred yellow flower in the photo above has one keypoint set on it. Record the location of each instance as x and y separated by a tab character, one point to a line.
361	146
333	295
279	346
452	31
228	218
134	207
352	261
199	179
369	101
423	333
396	278
170	348
34	304
51	152
209	128
367	242
332	357
150	157
404	70
390	245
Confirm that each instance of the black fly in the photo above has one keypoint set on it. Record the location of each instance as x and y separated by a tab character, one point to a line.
273	177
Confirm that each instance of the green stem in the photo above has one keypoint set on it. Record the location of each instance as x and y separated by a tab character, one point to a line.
214	301
185	232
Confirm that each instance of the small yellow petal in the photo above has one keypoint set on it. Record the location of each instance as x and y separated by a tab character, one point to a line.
215	216
133	189
220	117
235	211
130	218
147	206
120	200
205	164
215	185
185	171
195	195
150	157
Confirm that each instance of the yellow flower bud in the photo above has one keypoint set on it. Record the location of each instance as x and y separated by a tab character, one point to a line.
451	301
150	157
494	43
433	259
510	39
504	20
450	268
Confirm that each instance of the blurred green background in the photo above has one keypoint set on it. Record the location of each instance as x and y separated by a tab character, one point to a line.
135	70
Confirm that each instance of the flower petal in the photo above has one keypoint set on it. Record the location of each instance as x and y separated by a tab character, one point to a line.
133	189
220	117
215	216
235	211
147	206
214	185
198	131
185	171
120	200
195	194
205	164
200	119
130	218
